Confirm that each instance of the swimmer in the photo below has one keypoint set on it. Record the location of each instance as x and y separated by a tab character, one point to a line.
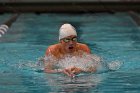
68	45
5	26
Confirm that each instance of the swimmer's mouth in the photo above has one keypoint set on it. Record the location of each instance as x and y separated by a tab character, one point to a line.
71	47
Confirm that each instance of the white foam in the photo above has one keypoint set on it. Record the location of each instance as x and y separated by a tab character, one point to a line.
114	65
84	62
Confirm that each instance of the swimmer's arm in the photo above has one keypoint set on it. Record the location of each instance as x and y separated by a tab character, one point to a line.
76	70
49	65
90	70
53	71
49	68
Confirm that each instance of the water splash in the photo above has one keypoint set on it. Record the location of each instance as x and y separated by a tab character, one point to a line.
114	65
84	62
31	65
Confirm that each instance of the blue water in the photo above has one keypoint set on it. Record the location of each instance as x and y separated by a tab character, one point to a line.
113	37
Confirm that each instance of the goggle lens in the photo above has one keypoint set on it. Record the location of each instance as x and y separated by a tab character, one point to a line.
66	40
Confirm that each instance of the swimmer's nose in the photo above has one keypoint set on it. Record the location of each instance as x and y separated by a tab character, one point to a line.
71	42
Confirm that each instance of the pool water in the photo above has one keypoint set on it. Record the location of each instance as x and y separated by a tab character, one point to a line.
113	37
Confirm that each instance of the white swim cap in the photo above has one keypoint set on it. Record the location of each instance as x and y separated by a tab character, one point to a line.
66	30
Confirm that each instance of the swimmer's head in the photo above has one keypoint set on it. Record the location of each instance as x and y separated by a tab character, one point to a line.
68	38
66	30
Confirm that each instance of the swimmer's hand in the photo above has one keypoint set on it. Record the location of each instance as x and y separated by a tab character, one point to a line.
67	72
72	71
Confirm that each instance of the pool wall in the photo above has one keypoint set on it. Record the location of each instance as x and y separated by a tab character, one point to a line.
69	6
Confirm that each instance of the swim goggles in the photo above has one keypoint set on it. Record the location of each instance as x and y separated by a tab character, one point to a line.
66	40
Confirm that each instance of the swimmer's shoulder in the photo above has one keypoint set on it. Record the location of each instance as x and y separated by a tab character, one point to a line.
84	47
52	48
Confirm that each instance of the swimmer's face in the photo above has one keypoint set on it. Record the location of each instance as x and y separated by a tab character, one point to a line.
69	43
